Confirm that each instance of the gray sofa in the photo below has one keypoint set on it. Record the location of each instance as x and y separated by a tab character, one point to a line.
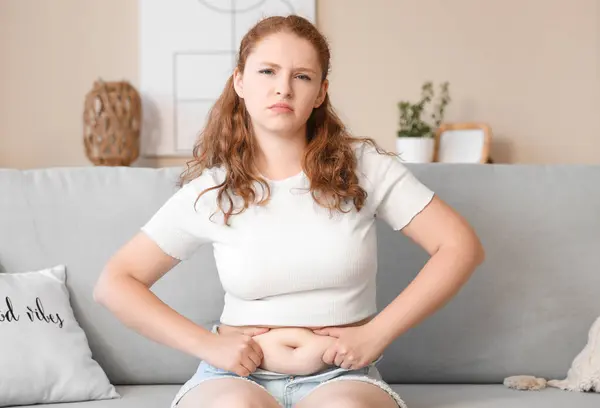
527	310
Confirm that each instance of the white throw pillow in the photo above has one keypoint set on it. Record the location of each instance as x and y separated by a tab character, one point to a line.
44	353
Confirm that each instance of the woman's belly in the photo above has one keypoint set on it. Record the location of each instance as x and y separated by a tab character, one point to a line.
293	350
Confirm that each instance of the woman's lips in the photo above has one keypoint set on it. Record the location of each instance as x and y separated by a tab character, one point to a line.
281	107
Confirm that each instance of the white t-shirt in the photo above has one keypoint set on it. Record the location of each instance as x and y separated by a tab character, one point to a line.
293	262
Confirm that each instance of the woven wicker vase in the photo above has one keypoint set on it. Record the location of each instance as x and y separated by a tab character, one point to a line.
112	120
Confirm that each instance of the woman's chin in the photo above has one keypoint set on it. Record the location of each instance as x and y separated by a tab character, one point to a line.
282	127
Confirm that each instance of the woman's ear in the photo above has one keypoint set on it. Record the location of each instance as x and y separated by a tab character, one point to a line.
322	93
238	83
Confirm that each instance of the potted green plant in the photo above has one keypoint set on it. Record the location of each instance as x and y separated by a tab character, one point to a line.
415	141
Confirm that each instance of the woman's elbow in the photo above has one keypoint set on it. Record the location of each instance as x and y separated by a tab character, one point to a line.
476	250
101	288
480	254
104	285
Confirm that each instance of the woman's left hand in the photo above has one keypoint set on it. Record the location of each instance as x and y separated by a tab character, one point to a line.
356	347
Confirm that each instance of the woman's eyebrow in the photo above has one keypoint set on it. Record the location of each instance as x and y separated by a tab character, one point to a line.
272	64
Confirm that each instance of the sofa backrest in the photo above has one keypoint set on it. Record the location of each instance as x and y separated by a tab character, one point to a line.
527	309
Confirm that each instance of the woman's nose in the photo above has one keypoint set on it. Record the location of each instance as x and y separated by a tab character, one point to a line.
284	88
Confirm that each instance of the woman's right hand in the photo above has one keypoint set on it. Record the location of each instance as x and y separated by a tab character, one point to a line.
235	351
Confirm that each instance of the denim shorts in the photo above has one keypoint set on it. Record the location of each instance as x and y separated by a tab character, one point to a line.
287	389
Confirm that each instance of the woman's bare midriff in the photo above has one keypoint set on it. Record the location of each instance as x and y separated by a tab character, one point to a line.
292	350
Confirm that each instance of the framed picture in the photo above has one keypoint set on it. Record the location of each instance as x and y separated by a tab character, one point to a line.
462	143
187	52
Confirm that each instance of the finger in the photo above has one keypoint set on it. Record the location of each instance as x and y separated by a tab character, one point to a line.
339	359
249	365
242	371
329	356
255	331
346	364
329	331
349	362
256	349
256	359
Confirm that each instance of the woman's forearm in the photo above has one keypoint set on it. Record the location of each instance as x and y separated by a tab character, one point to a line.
440	279
140	309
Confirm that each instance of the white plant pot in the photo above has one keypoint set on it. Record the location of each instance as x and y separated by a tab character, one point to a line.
415	149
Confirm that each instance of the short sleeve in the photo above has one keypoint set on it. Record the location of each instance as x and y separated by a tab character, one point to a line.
180	227
396	194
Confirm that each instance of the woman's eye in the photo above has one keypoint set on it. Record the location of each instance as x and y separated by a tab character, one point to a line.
304	77
266	71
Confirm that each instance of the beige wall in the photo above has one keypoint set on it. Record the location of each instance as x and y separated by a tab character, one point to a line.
528	68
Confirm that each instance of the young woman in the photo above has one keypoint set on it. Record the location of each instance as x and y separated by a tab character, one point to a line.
288	199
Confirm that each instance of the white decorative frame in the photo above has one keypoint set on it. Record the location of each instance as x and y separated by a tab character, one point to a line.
462	143
187	53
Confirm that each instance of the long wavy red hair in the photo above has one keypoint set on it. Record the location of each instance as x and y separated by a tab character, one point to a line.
329	161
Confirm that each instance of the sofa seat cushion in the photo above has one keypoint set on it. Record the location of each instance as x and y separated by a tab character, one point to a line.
132	396
415	396
490	396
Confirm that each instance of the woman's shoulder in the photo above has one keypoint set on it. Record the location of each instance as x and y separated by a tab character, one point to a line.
393	189
209	177
368	151
373	161
200	189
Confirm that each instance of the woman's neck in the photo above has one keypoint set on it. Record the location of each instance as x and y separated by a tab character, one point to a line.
280	157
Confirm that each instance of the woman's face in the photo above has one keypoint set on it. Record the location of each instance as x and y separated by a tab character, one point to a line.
281	84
